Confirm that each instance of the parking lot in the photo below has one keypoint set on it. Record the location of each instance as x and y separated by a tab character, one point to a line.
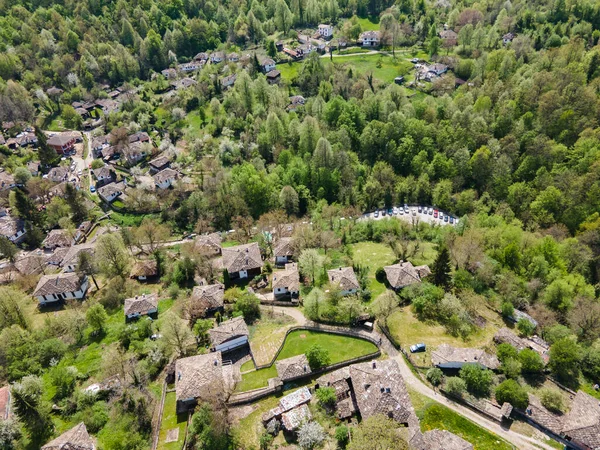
414	214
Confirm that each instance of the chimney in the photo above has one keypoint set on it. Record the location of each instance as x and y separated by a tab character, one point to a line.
305	367
374	364
178	376
388	390
216	362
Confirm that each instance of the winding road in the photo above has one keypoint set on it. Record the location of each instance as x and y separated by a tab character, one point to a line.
520	441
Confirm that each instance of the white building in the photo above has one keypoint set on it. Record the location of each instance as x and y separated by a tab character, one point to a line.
345	278
165	178
370	38
326	30
63	286
12	228
111	191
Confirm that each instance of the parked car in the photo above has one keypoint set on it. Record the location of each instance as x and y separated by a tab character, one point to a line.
414	212
417	348
383	212
451	219
92	189
430	212
446	218
401	211
390	212
376	213
435	213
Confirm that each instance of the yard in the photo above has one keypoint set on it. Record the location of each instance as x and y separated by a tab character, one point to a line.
340	348
170	422
433	415
369	23
267	334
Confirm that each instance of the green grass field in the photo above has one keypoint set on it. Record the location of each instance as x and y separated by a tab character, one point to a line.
373	255
171	420
433	415
341	348
369	23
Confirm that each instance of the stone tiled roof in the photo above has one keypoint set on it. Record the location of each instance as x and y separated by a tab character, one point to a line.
58	174
228	330
72	256
439	440
57	284
145	268
141	304
165	175
505	336
208	244
10	225
209	296
447	354
199	376
289	279
292	420
537	412
58	238
57	257
102	172
283	247
344	277
6	179
294	367
31	264
242	257
296	398
110	189
582	422
77	438
405	274
159	161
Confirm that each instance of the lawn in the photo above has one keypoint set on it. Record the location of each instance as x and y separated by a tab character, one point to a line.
248	365
433	415
171	420
341	348
369	23
267	334
373	255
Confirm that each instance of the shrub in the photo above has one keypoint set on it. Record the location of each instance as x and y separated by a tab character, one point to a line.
326	396
531	361
266	440
552	400
511	367
435	376
506	351
479	381
317	357
310	435
455	386
248	305
510	391
525	327
341	436
380	275
507	309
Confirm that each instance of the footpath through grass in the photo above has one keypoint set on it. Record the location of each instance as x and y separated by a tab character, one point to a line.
340	348
432	415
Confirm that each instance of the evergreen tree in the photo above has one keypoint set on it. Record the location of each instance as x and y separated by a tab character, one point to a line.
47	155
441	268
74	199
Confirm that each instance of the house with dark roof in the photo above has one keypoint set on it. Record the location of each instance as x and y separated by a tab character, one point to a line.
345	278
370	38
206	300
56	239
111	191
141	305
202	377
144	270
286	283
62	286
208	244
159	163
283	251
77	438
104	175
438	440
242	261
165	178
446	356
229	335
404	274
273	76
290	369
71	259
12	228
62	143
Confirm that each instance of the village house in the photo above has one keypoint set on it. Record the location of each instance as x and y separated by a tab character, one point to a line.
229	335
62	143
141	305
12	228
202	56
99	143
7	181
233	57
62	286
34	168
296	101
217	57
228	81
71	259
206	300
267	64
370	39
56	257
286	283
58	174
144	270
283	251
291	53
202	377
404	274
371	388
77	438
448	357
326	30
111	191
184	83
507	38
291	411
104	175
345	278
190	67
165	178
56	239
242	261
273	76
136	152
82	230
110	153
160	163
449	38
581	425
438	440
535	343
291	369
169	73
208	244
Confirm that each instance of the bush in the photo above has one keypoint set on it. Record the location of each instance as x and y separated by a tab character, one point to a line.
435	376
525	327
380	275
318	357
248	305
506	351
326	396
552	400
511	367
310	435
51	351
265	441
510	391
507	309
531	361
478	381
455	386
341	436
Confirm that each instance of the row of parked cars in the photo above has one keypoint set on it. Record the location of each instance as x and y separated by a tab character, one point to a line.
405	210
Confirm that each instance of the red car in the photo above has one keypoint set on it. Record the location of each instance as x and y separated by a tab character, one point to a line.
435	213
